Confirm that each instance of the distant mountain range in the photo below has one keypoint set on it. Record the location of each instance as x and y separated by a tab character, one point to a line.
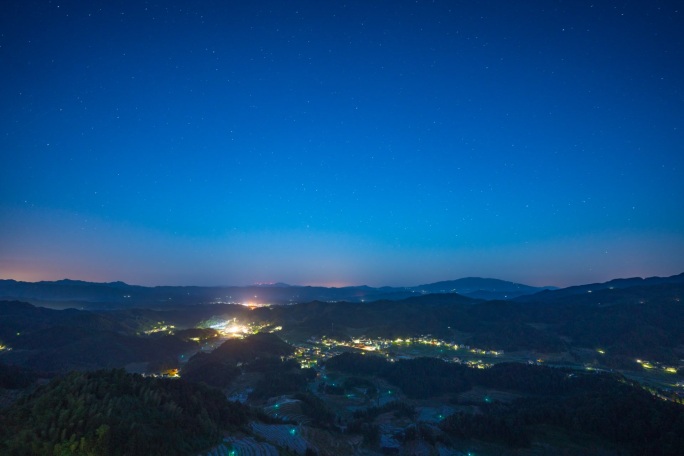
615	284
80	294
117	295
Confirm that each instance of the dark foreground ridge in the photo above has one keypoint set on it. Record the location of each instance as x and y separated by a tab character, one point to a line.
112	412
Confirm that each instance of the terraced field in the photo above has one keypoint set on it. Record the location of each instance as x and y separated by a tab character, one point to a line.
283	435
245	446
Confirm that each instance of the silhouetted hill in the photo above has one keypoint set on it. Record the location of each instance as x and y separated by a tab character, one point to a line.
253	347
20	317
636	322
62	340
645	321
416	315
121	295
559	294
220	367
478	287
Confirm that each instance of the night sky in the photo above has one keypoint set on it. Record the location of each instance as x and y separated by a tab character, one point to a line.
336	143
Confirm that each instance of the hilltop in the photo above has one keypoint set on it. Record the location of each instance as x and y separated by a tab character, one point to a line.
89	295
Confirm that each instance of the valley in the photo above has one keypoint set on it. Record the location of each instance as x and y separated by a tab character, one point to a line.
435	373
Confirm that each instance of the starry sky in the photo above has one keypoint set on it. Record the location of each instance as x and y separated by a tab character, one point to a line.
337	143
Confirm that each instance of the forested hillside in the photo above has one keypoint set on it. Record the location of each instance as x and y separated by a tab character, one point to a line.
114	413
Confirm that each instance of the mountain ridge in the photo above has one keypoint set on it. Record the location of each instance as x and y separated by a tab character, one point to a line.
620	283
120	294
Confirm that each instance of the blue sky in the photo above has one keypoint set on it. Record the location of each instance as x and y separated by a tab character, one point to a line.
387	143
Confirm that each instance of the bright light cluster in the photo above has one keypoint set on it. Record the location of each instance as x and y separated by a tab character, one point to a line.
231	328
161	327
656	365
